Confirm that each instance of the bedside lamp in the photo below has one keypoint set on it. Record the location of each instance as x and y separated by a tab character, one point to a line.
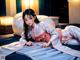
5	21
6	26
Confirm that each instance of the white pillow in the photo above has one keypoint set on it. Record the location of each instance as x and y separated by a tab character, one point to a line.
17	26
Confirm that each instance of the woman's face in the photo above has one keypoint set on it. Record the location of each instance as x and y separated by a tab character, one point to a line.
29	20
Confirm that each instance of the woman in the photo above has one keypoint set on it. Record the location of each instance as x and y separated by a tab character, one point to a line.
35	30
45	31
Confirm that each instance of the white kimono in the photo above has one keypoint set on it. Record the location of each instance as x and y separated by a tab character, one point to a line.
45	31
66	36
42	31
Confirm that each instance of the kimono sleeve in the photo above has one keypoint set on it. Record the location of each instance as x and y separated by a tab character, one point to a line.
22	39
49	26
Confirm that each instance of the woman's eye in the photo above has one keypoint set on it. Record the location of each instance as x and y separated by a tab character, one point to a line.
25	20
30	17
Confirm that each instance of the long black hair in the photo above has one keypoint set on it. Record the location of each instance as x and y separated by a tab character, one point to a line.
26	27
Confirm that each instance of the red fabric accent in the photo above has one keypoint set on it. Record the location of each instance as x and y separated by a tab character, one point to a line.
43	37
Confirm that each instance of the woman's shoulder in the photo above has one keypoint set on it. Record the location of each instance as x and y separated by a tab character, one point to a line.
48	23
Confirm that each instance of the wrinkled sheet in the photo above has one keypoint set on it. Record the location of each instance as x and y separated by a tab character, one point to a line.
36	52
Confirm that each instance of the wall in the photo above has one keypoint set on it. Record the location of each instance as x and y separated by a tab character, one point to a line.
74	11
33	4
55	8
10	7
2	8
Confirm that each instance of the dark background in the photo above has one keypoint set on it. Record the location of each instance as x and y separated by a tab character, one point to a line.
55	8
46	7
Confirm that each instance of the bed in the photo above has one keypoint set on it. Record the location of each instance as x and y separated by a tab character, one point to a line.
35	52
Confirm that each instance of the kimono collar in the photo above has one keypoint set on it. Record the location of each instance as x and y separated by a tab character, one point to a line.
34	25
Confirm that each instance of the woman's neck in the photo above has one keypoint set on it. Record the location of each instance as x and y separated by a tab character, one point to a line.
33	25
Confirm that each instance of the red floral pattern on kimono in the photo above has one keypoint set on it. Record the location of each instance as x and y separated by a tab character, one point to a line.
45	37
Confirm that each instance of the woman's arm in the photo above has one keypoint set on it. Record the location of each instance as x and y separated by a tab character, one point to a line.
22	39
49	27
50	41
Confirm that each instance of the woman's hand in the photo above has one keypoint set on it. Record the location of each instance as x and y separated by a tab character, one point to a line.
44	45
29	43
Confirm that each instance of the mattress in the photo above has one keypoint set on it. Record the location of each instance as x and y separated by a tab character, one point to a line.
36	52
